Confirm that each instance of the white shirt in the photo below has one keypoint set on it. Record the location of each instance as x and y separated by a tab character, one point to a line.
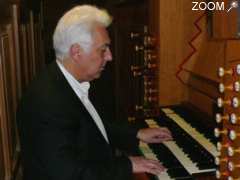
81	90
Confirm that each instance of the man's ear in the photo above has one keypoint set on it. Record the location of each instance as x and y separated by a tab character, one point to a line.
75	51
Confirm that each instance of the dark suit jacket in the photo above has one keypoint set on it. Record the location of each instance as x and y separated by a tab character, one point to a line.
60	140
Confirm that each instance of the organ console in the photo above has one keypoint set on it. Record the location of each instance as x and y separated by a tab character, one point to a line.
228	145
190	141
195	148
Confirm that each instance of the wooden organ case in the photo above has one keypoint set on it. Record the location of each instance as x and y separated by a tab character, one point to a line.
150	65
217	46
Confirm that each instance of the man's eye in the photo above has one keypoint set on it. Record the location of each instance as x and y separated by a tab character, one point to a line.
103	50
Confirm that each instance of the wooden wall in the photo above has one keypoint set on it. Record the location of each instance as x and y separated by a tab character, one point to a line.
21	57
171	31
201	68
190	55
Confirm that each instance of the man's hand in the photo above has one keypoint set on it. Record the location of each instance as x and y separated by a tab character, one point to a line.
142	165
154	135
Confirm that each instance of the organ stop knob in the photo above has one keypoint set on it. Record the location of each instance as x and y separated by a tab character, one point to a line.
232	151
219	174
218	160
219	117
222	71
234	102
232	166
217	132
235	87
233	135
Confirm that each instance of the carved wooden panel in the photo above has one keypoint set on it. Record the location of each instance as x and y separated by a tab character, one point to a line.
8	101
4	47
15	23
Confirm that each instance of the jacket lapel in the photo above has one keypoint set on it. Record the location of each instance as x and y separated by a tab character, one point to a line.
70	96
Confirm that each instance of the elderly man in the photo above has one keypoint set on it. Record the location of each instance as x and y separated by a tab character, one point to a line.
62	136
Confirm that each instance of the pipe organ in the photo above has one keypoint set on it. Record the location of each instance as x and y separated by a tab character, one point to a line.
228	131
139	83
143	76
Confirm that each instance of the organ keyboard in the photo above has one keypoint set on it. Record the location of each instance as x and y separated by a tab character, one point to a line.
191	151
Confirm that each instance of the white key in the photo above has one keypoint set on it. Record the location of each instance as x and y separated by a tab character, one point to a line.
164	176
209	146
167	110
177	151
184	159
148	153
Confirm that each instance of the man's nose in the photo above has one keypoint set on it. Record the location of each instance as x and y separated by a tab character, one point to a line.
108	55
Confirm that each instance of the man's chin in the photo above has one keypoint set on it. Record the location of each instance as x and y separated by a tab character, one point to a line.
97	76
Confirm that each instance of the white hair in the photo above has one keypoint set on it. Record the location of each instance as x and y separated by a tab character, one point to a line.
76	26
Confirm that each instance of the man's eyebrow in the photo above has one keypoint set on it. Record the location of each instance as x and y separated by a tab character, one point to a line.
105	45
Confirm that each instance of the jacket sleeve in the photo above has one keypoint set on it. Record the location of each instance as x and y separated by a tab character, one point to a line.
56	153
122	135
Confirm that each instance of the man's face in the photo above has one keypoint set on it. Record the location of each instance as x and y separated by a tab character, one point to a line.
94	62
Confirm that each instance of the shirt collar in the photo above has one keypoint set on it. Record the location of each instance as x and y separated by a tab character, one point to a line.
82	87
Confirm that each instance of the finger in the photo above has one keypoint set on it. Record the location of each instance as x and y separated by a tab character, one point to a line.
165	130
154	164
162	131
163	137
164	134
167	139
152	161
156	170
160	140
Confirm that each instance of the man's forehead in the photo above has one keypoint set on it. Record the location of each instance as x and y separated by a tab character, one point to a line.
101	35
